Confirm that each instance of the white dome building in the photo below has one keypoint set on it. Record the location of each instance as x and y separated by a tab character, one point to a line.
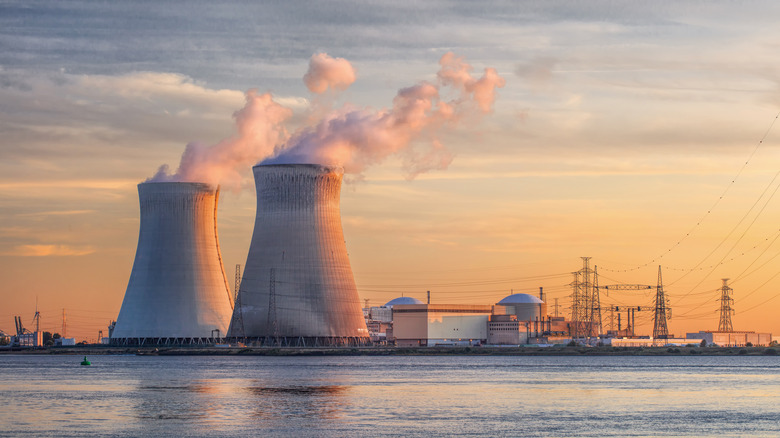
384	313
526	307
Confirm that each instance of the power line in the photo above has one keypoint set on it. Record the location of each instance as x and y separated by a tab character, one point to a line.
731	232
709	211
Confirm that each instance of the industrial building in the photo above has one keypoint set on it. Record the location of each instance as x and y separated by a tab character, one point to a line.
379	319
298	288
732	338
516	319
506	330
440	324
177	292
524	306
29	339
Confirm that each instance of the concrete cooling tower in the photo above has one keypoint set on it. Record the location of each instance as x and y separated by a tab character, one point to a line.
298	288
178	292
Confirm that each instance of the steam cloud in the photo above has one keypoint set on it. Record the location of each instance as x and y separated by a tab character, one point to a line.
350	137
356	138
326	72
259	126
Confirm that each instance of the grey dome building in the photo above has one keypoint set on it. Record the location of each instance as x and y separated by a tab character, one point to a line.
526	307
402	300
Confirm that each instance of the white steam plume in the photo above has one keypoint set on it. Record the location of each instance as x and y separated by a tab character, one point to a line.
259	126
326	72
350	137
356	138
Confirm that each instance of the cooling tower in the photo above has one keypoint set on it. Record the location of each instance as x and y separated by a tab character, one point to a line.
178	292
298	288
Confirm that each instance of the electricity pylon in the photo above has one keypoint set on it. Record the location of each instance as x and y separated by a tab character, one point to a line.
726	309
660	329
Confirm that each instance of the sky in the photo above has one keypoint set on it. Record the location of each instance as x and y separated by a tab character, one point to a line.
637	134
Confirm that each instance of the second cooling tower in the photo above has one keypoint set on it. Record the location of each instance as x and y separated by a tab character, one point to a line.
298	288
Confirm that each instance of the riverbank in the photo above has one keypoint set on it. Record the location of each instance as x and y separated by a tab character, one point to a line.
394	351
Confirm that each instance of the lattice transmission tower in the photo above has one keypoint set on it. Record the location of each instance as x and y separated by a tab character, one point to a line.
237	284
585	302
595	305
273	325
726	309
237	321
575	304
661	311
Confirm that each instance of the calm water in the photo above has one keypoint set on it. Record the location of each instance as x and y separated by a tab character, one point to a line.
375	396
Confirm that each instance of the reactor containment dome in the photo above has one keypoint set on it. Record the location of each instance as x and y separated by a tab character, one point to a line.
298	288
402	300
177	292
526	307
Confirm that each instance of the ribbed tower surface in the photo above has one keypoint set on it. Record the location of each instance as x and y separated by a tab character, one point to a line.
298	287
178	292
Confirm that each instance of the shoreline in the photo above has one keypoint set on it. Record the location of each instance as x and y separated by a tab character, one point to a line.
399	351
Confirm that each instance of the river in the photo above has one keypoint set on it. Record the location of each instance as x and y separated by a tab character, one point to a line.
52	395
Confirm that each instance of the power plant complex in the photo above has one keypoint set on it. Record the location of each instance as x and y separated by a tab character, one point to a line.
298	289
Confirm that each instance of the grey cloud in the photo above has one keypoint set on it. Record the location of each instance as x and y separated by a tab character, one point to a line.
538	71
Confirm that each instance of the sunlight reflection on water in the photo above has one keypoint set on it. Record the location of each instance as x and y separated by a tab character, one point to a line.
417	396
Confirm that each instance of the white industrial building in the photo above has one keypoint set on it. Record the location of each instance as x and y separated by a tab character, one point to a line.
66	342
177	292
525	307
733	338
440	324
29	339
516	319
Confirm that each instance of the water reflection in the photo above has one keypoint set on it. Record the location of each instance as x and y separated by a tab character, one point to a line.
298	390
298	401
216	405
412	396
169	402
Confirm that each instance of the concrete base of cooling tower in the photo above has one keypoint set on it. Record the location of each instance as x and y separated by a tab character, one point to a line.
153	342
301	341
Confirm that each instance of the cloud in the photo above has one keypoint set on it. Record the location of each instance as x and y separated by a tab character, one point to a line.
327	72
357	138
49	250
98	122
57	213
259	128
93	184
538	72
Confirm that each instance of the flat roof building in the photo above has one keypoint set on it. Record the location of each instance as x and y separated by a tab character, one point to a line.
732	339
440	324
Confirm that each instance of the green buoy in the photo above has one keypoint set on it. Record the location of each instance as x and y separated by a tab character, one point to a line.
85	361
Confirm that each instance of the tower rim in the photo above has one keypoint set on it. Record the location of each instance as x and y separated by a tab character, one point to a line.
325	167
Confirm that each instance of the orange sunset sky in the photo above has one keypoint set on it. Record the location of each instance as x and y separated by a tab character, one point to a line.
638	135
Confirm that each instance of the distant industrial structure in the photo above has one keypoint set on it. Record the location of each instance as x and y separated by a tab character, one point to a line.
521	318
517	319
25	337
178	292
298	288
